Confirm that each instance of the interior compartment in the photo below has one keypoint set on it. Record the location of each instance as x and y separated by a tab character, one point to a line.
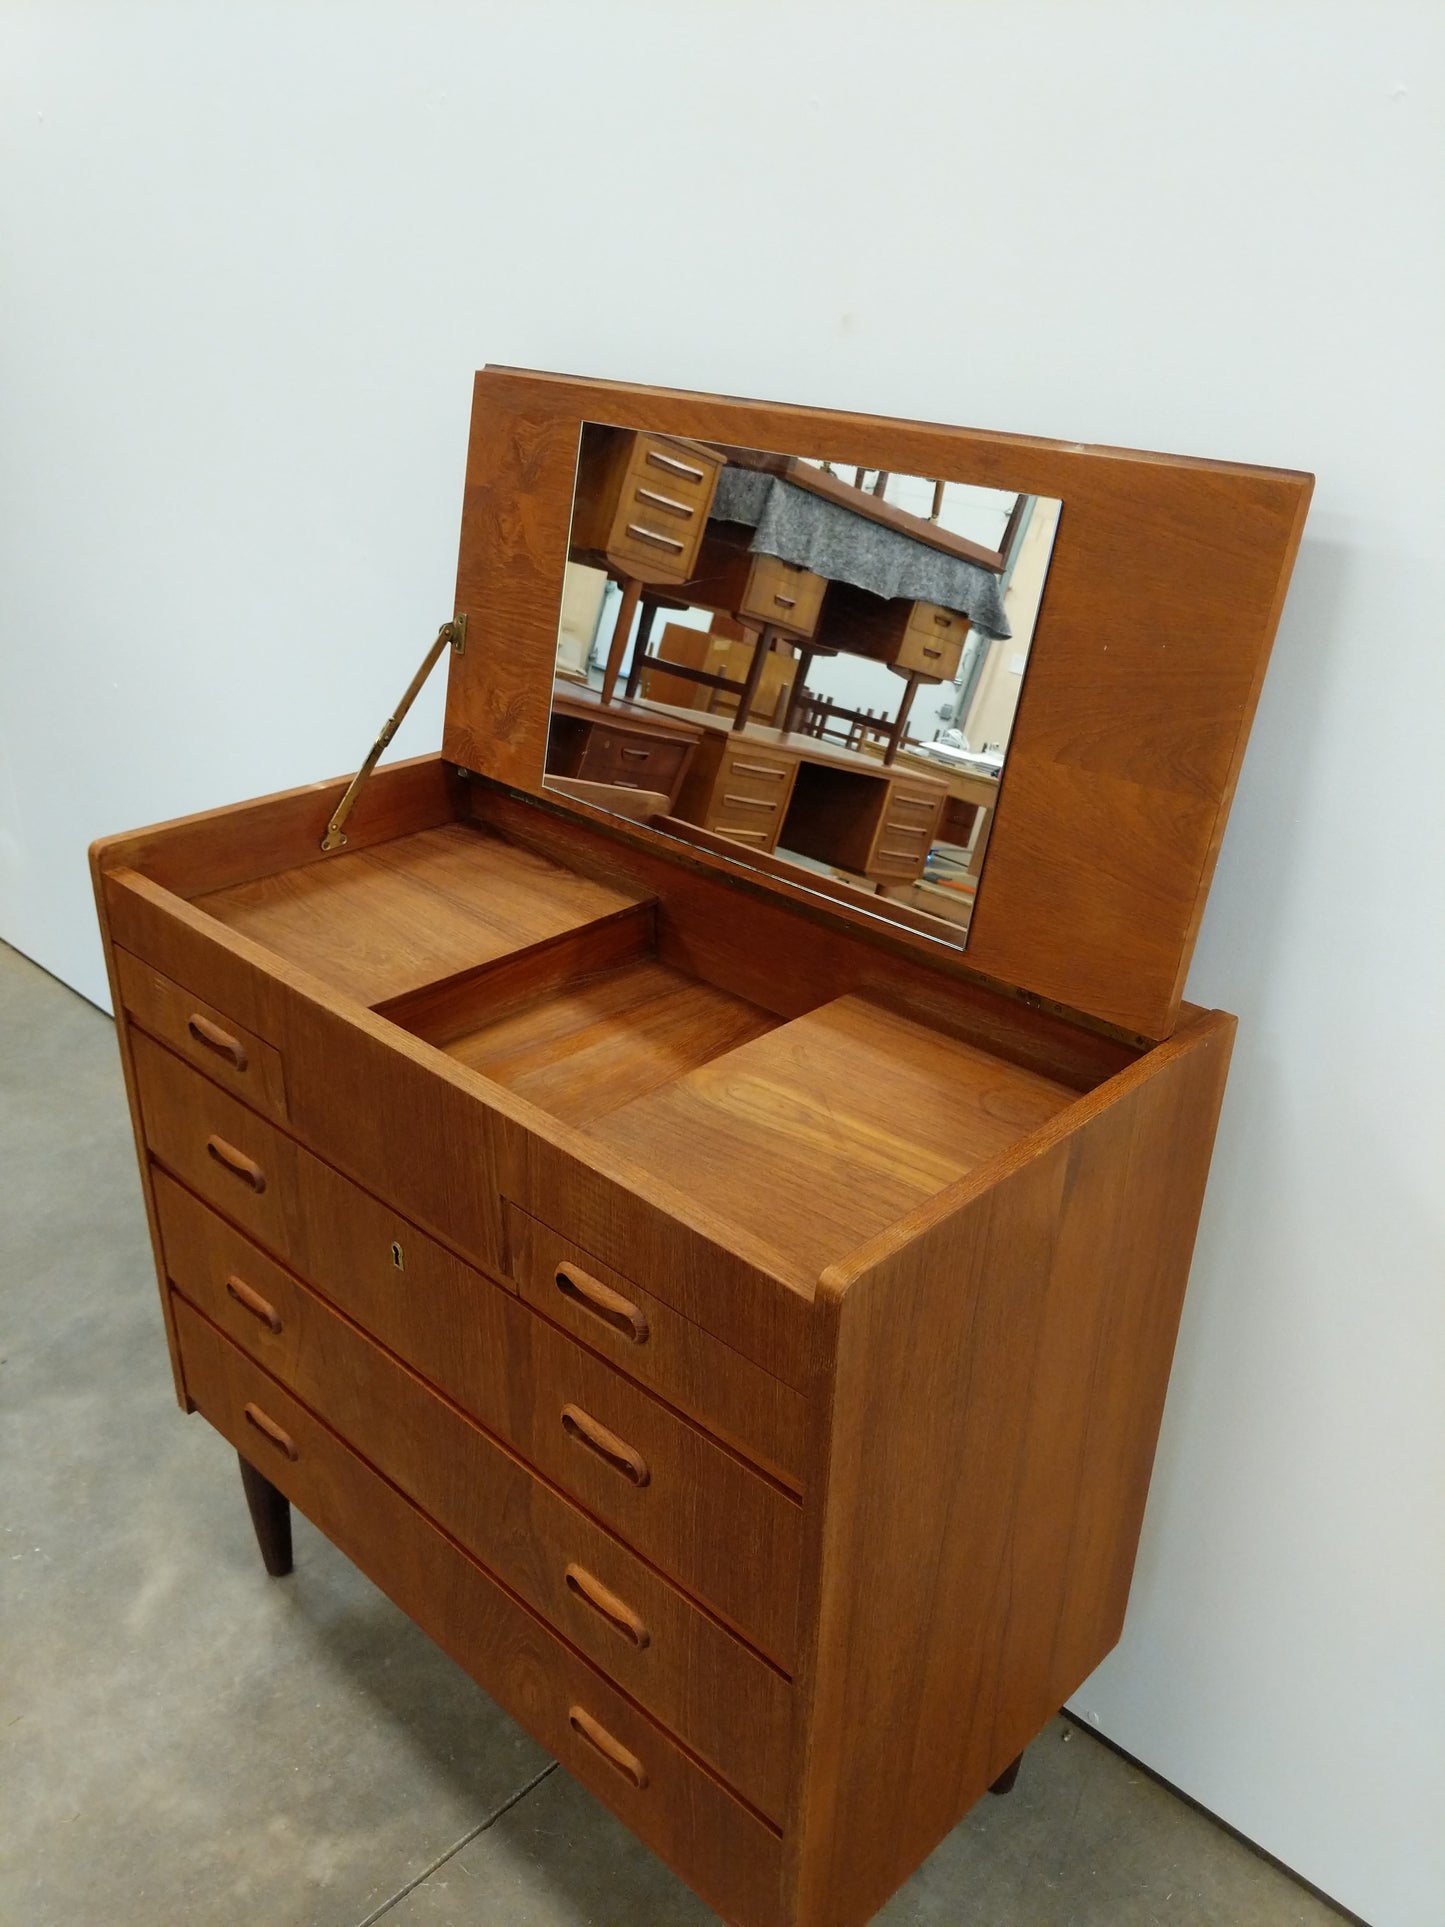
585	1024
819	1134
805	1085
417	910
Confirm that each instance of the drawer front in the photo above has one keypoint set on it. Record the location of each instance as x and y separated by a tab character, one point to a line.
784	593
750	796
906	833
749	772
636	762
932	643
725	1852
214	1042
734	812
648	1340
730	1535
728	1705
662	509
896	859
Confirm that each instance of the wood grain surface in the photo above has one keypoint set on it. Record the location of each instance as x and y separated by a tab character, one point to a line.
443	1145
682	1361
1000	1367
822	1132
1163	595
411	912
728	1704
730	1854
701	1513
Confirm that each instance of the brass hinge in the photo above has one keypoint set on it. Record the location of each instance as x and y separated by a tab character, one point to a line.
453	632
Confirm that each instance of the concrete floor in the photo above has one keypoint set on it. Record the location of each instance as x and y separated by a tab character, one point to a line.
183	1740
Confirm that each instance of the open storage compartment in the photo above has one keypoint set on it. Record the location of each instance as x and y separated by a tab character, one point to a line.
793	1080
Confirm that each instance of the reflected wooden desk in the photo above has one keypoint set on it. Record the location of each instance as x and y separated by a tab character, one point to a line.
766	787
968	809
620	745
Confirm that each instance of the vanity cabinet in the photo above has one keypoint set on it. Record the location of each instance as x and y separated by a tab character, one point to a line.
736	1332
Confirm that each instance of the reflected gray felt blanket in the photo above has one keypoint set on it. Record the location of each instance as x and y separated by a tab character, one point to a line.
830	540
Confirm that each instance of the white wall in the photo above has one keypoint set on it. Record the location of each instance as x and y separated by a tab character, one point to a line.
249	259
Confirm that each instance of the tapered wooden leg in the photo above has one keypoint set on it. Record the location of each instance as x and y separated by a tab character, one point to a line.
271	1516
621	630
761	648
1005	1781
647	615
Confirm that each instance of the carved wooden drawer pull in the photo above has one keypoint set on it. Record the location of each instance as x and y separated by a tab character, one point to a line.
612	1450
786	601
934	653
651	535
602	1302
636	755
216	1039
613	1751
944	622
759	769
251	1299
748	802
236	1162
618	1614
268	1428
912	803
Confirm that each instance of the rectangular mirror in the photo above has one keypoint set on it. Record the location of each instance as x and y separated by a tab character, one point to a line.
811	666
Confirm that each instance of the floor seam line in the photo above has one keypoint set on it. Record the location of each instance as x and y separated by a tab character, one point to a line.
441	1860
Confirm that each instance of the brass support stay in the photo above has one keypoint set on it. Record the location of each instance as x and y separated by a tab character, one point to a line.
453	632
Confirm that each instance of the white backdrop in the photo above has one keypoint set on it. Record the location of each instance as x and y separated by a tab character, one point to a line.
249	259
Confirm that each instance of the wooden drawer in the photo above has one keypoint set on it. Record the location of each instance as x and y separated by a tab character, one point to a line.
650	1341
662	508
910	808
214	1042
750	795
635	761
727	1533
783	593
735	810
932	643
726	1703
906	833
724	1851
752	772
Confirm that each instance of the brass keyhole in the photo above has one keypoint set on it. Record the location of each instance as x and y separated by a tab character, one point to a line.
396	1257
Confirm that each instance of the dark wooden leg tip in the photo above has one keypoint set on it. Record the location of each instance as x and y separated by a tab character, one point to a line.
271	1516
1005	1781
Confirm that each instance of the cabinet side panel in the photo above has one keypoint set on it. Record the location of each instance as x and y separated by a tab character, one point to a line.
122	1038
999	1385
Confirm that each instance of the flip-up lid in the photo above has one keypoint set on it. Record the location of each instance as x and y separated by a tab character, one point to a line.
1147	635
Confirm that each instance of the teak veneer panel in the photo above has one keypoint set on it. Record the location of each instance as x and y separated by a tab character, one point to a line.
587	1048
822	1132
1163	595
727	1853
1000	1364
701	1514
730	1705
390	919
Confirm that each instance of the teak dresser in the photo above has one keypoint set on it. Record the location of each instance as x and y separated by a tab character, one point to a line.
734	1328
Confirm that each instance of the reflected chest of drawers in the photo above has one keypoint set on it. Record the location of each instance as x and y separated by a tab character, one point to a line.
735	1332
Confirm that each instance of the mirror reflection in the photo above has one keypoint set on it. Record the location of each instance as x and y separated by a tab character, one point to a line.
809	664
